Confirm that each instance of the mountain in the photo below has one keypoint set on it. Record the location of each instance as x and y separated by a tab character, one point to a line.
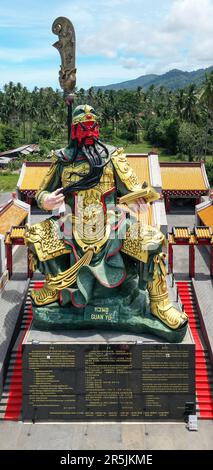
172	80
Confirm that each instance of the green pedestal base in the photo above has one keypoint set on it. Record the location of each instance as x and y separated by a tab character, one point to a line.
120	312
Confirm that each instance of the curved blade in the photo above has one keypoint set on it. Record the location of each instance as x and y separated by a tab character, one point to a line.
64	29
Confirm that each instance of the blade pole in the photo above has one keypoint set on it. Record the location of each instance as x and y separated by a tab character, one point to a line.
66	45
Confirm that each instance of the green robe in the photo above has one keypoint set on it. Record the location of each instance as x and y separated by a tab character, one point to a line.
109	268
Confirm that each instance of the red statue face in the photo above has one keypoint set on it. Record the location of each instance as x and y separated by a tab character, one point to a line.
84	125
85	131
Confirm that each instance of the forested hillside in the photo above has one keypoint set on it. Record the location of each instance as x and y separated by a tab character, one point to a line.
179	123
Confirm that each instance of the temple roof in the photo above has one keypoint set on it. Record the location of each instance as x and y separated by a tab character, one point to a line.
140	164
32	175
176	176
206	215
184	176
11	214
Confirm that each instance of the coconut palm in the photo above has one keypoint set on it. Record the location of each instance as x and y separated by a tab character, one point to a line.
190	110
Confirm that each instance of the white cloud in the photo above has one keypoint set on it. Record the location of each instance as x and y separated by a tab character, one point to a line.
131	63
182	38
191	15
120	39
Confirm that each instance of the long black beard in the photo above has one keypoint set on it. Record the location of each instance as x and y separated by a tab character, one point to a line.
96	166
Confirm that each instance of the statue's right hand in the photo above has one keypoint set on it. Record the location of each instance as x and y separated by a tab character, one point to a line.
53	200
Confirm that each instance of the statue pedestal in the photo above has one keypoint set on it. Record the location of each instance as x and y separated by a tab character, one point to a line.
111	313
106	376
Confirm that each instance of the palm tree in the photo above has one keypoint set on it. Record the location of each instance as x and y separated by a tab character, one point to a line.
180	103
206	99
190	110
23	107
133	126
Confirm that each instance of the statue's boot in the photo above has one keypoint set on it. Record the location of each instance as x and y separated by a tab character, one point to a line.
160	304
45	295
50	292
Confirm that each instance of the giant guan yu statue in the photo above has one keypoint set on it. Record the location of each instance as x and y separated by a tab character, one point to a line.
104	266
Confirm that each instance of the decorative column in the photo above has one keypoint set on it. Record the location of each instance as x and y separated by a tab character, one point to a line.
167	203
29	199
171	256
9	255
191	261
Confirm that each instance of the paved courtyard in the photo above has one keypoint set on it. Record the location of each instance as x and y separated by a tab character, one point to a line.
152	436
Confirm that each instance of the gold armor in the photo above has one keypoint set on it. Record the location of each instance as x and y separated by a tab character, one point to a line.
50	292
45	295
124	171
160	304
106	183
45	238
140	240
91	230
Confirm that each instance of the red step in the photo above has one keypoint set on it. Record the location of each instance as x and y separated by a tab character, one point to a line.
205	401
205	394
11	417
14	403
202	373
206	415
203	389
200	365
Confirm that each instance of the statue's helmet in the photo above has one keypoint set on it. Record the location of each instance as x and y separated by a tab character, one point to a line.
85	127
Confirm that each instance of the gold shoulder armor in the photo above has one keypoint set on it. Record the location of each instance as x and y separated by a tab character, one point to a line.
124	170
49	175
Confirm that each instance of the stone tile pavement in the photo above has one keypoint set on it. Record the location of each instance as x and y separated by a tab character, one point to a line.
128	436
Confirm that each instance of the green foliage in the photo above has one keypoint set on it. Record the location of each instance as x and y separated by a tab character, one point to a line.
8	182
41	132
8	137
178	123
163	133
32	116
190	140
209	170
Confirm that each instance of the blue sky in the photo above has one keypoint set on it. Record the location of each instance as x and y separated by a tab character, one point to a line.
117	40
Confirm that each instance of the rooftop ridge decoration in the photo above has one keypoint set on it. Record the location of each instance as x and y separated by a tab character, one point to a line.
14	212
199	235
